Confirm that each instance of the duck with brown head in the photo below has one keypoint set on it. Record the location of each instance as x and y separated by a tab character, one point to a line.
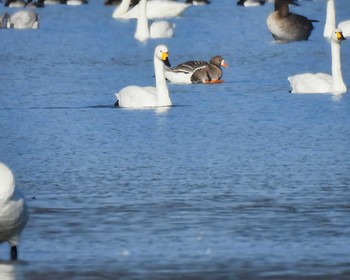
286	26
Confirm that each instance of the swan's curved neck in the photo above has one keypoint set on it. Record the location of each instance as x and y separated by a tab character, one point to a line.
123	8
330	19
161	85
142	29
338	83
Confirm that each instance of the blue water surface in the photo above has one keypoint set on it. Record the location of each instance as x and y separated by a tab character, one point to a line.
239	180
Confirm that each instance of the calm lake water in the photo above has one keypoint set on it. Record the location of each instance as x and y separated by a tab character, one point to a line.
239	180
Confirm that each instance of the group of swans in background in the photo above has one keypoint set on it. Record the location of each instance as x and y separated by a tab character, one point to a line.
41	3
28	19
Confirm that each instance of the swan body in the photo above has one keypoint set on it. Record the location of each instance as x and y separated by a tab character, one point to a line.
250	3
345	27
197	71
323	83
76	2
13	210
286	26
15	3
143	97
155	9
25	19
160	29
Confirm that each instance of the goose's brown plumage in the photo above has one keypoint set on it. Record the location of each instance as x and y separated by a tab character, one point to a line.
197	71
286	26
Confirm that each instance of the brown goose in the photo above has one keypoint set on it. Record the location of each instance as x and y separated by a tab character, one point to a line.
286	26
194	72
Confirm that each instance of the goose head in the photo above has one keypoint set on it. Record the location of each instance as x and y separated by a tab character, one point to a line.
218	61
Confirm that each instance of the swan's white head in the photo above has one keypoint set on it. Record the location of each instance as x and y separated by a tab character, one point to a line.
161	52
337	35
7	182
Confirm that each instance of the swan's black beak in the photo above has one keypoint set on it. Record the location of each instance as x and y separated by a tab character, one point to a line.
165	59
340	36
166	62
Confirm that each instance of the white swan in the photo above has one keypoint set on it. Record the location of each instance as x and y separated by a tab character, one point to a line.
13	210
160	29
331	21
15	3
320	82
76	2
155	9
25	19
143	97
251	3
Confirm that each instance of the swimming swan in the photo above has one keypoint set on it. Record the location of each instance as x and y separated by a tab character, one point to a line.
286	26
13	210
143	97
160	29
197	71
155	9
25	19
320	82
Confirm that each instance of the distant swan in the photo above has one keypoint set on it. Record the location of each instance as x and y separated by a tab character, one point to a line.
197	71
13	210
76	2
15	3
320	82
24	19
250	3
160	29
155	9
143	97
286	26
